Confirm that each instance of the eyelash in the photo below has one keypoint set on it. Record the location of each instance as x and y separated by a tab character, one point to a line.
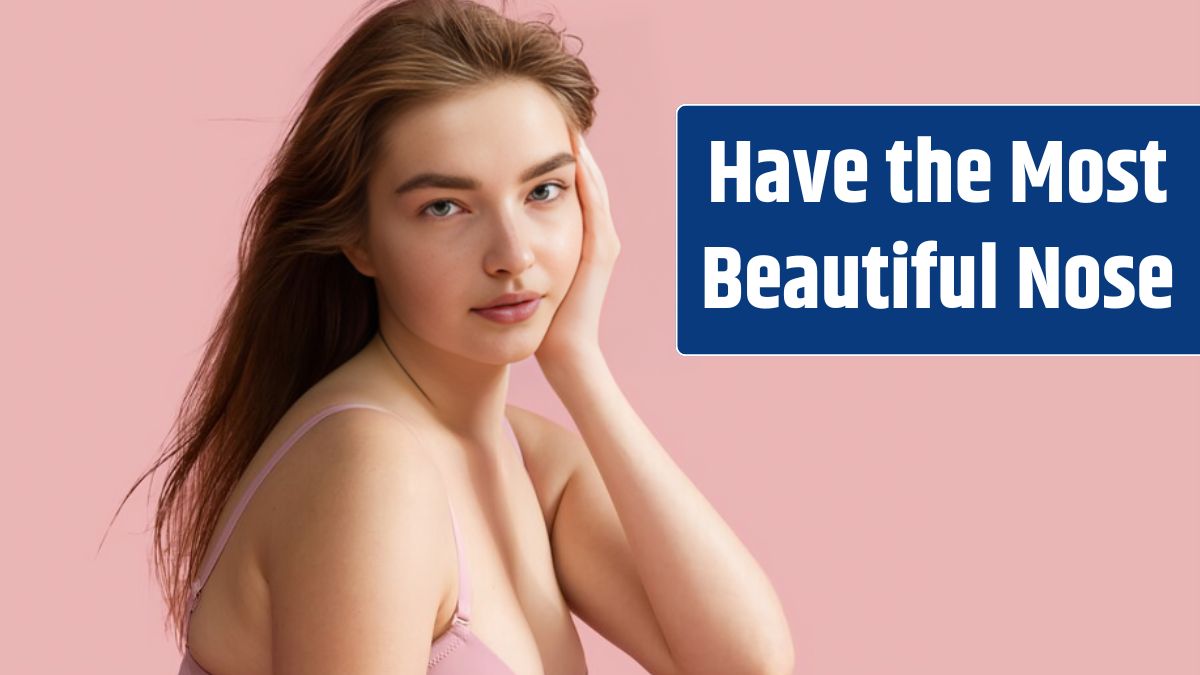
561	189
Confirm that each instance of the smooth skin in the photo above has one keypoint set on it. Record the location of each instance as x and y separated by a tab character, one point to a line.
641	554
344	561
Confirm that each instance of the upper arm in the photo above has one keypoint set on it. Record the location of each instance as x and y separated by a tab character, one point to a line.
357	573
592	559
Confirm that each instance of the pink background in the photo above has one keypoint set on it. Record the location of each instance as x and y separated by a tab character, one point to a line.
919	515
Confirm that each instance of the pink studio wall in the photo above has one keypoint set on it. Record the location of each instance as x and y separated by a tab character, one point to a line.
919	515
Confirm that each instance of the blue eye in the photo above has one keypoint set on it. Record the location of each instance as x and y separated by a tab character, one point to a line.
430	209
438	209
553	195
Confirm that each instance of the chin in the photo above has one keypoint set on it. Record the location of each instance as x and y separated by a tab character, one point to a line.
511	350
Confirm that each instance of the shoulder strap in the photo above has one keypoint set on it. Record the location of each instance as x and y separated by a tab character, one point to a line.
219	546
462	608
462	611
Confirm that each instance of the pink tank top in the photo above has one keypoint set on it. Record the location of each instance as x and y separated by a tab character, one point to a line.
457	651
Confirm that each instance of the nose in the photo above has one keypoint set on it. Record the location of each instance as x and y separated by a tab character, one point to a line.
510	251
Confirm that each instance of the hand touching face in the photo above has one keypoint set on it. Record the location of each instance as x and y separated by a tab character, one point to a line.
574	335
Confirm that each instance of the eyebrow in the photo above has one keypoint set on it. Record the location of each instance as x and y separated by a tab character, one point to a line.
440	180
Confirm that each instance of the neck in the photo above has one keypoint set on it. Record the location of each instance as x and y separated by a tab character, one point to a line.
468	397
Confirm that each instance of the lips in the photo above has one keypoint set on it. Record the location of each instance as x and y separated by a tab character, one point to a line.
503	312
510	299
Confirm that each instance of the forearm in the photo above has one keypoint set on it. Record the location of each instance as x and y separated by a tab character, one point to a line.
716	607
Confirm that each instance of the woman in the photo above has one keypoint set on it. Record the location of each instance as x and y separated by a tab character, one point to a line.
349	491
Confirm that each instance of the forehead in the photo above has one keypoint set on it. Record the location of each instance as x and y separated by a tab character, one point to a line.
491	130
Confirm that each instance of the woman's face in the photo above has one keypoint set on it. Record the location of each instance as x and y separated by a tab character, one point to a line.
474	197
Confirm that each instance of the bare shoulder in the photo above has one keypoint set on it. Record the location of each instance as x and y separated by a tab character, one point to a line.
552	453
358	555
355	458
546	438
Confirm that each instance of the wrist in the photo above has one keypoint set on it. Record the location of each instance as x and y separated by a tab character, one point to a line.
574	365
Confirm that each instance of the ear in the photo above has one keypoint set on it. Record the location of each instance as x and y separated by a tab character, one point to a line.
360	259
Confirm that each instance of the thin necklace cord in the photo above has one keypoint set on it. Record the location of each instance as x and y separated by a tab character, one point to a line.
397	360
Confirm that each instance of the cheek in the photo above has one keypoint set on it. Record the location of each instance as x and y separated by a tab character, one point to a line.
420	286
560	262
565	244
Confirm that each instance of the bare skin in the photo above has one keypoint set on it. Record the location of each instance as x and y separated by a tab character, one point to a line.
330	567
503	508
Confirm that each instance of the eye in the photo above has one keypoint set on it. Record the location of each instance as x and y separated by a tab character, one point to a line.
546	192
436	212
553	195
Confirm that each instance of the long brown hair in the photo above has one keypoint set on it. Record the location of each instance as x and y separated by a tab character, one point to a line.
299	309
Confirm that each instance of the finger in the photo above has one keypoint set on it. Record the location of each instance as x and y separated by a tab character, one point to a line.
597	201
594	168
589	193
602	229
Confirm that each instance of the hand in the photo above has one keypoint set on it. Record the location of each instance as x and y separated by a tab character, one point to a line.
574	332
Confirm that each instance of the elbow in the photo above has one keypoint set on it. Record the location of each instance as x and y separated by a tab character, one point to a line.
782	663
777	659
